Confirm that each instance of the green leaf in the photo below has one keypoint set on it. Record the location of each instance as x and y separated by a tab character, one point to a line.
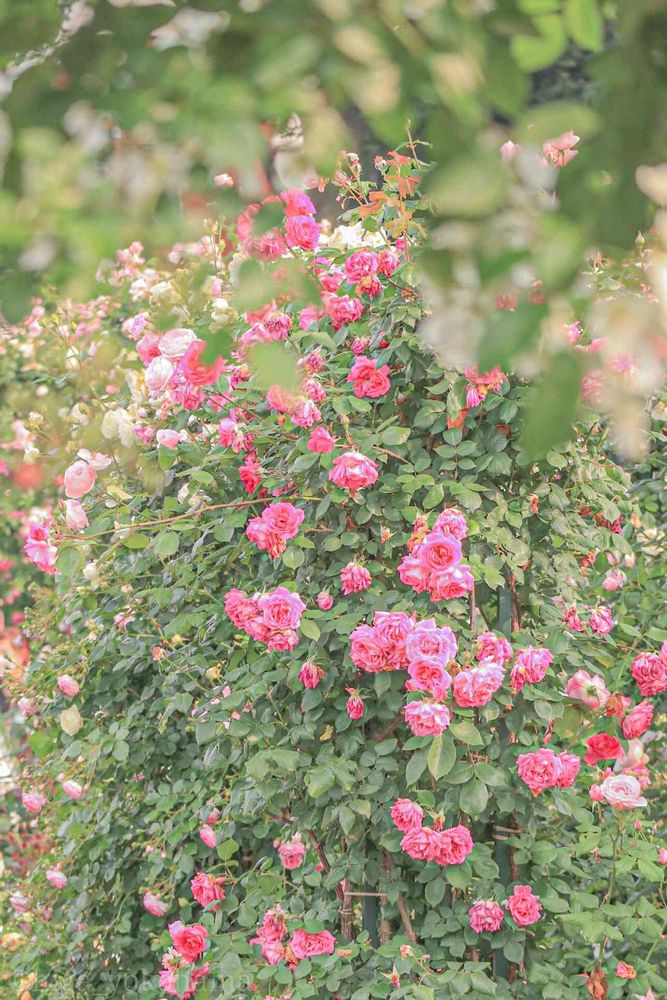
121	750
319	780
507	334
473	797
534	52
550	412
136	541
415	767
310	629
227	848
165	544
441	755
466	732
435	890
274	364
584	23
470	186
395	435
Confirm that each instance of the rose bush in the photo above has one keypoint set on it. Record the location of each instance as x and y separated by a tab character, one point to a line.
328	696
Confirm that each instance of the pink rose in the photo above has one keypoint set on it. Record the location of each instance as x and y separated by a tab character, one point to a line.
600	620
154	905
650	672
419	843
168	438
174	343
451	847
283	519
365	650
324	600
34	802
427	718
622	791
625	971
72	789
281	609
352	471
486	915
76	518
360	264
451	522
457	581
570	766
493	647
354	706
56	878
207	889
305	945
207	836
310	675
439	551
524	906
601	746
19	903
190	942
292	852
392	629
426	639
539	770
302	231
414	573
79	479
638	720
531	667
406	815
354	578
428	674
368	379
388	262
297	202
559	152
477	686
321	441
342	309
195	371
68	685
590	689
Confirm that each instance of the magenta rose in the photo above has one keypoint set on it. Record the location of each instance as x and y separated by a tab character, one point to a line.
281	609
190	942
524	906
302	231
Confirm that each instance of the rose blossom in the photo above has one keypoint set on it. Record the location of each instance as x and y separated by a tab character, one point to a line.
190	942
324	600
354	578
310	675
76	518
352	471
154	905
34	802
587	688
305	945
208	889
622	791
600	620
570	766
638	720
428	674
602	747
625	971
168	438
650	672
158	374
321	441
68	685
452	846
476	687
207	835
531	666
354	706
419	843
195	371
406	815
72	789
539	770
365	650
360	264
292	852
297	202
426	639
493	647
19	903
524	906
79	479
486	915
368	379
56	878
302	231
427	718
174	343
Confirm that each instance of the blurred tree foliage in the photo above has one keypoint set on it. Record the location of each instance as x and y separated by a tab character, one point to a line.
117	114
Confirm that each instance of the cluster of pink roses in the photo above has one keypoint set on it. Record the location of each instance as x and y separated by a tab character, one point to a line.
434	561
429	843
302	944
190	943
544	769
524	907
600	620
272	618
274	527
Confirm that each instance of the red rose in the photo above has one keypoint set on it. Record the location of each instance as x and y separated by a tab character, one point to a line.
602	747
190	942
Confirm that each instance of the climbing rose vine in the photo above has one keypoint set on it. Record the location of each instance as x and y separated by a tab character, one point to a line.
329	695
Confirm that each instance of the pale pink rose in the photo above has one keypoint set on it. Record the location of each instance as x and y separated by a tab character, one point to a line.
352	471
79	479
354	578
532	664
595	793
406	815
524	906
72	789
68	685
427	718
76	518
34	802
96	459
570	766
560	151
601	621
508	151
174	343
208	889
302	231
485	915
650	672
452	846
207	836
27	707
368	379
190	942
154	905
148	347
477	686
168	438
590	689
310	675
638	720
305	945
622	791
324	600
354	706
321	441
614	579
19	903
292	852
539	770
158	374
